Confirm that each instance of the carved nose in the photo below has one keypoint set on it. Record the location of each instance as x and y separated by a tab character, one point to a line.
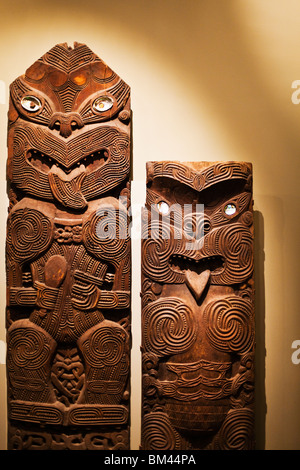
66	123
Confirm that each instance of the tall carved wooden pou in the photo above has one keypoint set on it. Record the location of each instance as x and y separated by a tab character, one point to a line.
197	307
68	254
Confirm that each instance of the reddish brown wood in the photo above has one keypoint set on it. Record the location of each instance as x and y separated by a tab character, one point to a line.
68	270
197	307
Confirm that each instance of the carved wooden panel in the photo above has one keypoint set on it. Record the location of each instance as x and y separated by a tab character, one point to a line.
68	254
197	307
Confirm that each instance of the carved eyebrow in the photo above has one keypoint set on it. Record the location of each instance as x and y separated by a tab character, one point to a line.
202	179
18	89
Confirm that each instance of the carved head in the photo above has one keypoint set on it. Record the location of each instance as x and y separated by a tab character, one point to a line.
61	118
211	241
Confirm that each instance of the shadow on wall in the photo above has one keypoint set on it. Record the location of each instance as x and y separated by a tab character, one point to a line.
223	67
260	353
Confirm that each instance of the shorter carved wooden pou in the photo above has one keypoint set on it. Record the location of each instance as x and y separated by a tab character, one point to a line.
68	255
197	307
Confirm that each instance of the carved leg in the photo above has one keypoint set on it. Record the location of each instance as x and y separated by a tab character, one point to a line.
105	349
29	354
30	350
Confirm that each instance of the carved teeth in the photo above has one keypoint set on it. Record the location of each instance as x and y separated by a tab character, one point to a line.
181	263
40	161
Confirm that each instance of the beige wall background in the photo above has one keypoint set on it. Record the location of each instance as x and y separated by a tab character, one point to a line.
211	80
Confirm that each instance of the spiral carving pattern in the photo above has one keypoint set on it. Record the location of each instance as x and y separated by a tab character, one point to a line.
237	431
158	433
29	348
247	218
168	327
106	347
157	251
105	234
229	324
29	233
235	244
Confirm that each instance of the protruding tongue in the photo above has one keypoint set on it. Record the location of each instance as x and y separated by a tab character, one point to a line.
68	192
197	282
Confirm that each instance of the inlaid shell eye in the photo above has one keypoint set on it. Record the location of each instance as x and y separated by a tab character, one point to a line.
103	103
163	207
31	103
230	209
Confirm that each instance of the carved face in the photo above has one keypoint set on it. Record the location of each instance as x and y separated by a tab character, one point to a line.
218	243
198	326
57	146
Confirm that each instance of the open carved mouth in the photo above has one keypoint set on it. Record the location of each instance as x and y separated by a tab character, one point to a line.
197	272
44	163
183	263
